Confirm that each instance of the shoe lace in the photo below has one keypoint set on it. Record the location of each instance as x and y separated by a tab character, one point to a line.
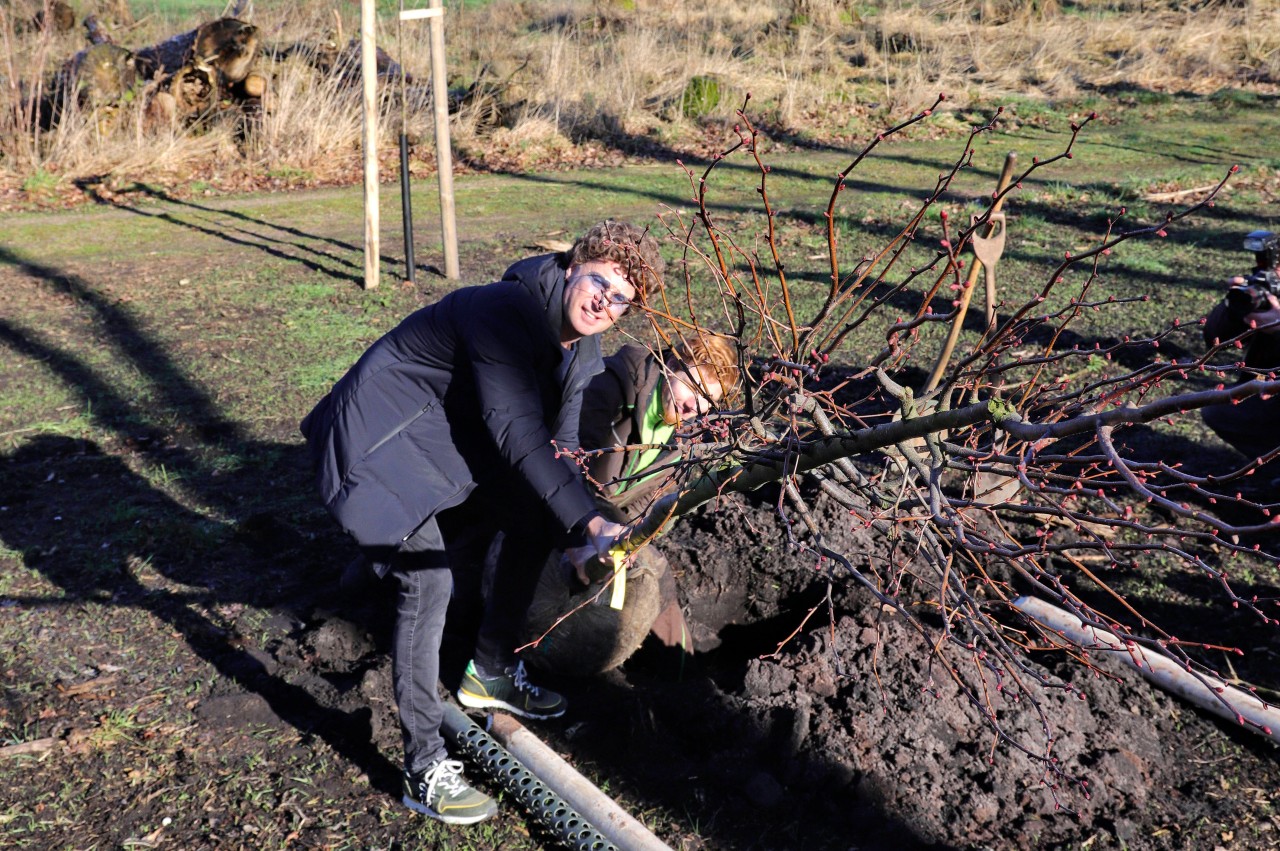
447	775
522	682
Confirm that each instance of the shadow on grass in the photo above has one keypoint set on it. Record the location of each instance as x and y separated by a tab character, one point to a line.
340	260
87	520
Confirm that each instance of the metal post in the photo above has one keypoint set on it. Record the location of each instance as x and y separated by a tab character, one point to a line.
406	205
406	209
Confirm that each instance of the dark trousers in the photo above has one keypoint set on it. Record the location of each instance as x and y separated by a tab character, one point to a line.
445	557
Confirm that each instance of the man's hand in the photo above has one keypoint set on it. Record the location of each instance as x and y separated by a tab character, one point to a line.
1267	319
601	535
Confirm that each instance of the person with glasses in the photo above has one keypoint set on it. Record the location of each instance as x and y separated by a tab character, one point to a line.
453	427
633	412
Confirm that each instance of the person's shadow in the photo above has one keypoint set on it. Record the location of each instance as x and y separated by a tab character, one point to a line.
227	521
102	533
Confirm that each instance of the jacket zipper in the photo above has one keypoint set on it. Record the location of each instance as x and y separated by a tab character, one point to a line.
399	428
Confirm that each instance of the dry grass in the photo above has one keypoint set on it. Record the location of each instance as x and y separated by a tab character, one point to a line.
542	78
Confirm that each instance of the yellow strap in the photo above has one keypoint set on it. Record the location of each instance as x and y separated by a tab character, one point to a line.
619	579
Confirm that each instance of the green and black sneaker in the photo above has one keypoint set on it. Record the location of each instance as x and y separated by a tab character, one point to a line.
511	691
441	793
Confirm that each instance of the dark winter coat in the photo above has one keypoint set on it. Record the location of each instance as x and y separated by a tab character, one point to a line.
613	411
463	393
1261	352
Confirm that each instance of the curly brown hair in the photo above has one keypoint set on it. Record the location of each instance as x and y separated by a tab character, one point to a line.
717	353
631	247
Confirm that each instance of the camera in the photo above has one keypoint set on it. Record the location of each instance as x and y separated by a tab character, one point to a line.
1251	296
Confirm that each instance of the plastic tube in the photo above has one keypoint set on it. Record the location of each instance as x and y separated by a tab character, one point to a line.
583	795
1207	692
539	800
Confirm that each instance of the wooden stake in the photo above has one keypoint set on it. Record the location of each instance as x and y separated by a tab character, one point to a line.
444	153
974	270
35	746
369	76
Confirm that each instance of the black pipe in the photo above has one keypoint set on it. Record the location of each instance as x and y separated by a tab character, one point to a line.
406	208
549	809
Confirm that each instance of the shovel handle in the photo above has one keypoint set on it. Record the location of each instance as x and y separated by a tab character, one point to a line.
1006	175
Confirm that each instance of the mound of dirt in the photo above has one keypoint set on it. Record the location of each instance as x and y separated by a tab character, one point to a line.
798	725
845	732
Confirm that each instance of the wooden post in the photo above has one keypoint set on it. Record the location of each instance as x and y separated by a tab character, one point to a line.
975	269
369	76
444	153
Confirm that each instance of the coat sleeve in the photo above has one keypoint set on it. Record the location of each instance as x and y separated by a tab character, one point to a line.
606	413
1219	325
500	343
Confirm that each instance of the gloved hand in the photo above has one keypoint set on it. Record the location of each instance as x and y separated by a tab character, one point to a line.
601	534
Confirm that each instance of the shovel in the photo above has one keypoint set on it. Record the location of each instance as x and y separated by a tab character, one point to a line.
987	250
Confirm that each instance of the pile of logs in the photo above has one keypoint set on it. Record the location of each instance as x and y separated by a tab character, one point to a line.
186	79
204	70
213	70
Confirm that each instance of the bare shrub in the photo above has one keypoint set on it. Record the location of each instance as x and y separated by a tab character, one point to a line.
1011	476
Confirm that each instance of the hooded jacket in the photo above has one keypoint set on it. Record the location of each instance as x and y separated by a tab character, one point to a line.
613	412
1261	352
465	392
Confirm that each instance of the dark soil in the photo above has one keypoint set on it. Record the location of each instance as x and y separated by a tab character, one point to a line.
845	738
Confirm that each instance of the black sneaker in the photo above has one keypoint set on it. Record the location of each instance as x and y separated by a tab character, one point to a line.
511	691
441	793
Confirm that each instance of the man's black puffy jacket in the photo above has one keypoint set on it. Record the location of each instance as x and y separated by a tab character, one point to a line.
466	391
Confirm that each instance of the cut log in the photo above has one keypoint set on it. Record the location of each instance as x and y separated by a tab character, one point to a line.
98	75
1206	692
62	18
35	746
226	46
96	32
194	91
253	86
162	110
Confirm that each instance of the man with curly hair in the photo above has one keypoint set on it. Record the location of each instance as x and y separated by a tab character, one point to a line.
448	430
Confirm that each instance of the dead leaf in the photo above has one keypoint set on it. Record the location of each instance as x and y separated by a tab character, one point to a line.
96	688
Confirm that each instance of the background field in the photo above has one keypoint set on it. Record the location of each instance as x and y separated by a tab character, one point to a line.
566	84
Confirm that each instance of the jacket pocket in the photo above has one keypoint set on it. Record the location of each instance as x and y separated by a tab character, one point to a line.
404	425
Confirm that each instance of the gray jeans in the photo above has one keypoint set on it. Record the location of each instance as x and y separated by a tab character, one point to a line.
448	547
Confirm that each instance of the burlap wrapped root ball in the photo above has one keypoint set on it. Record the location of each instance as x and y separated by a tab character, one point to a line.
593	637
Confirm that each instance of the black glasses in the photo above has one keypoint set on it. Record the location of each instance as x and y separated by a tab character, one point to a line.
614	301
